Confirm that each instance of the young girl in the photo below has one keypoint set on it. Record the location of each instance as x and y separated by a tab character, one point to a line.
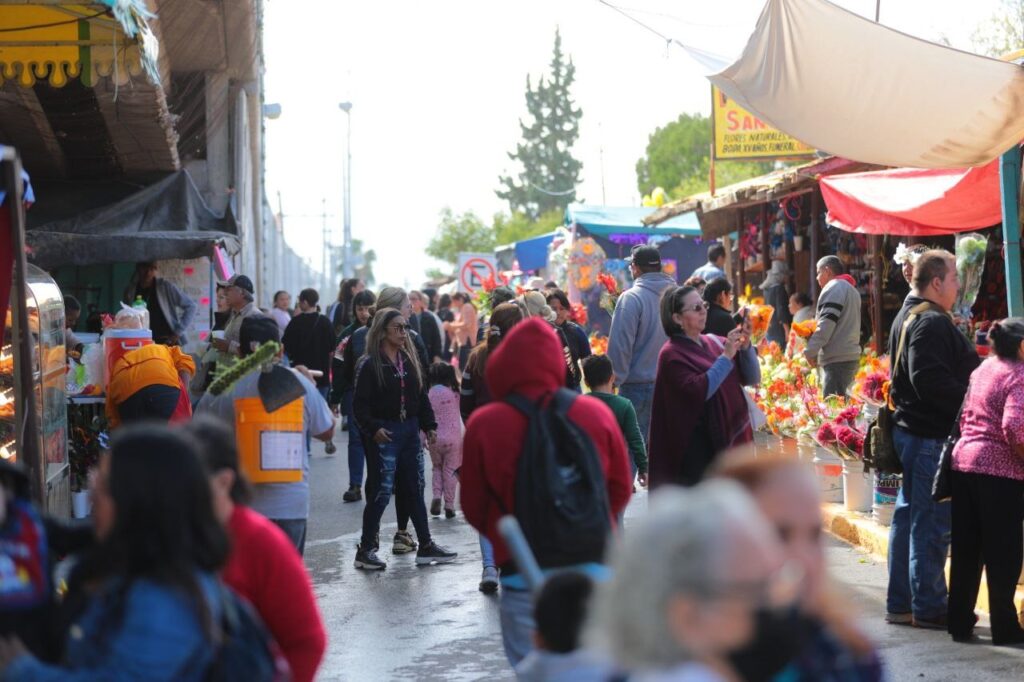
446	453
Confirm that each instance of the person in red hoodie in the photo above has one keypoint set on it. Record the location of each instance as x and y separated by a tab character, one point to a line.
264	567
529	362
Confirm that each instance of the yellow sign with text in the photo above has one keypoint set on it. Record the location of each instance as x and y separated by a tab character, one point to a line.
740	134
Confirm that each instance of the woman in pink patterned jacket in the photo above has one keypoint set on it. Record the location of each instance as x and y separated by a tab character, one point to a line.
988	490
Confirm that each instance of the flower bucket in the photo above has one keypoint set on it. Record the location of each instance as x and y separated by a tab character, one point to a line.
858	486
887	487
80	504
829	469
804	450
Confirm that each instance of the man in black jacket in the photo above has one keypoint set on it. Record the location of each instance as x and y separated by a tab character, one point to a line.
930	373
426	325
309	341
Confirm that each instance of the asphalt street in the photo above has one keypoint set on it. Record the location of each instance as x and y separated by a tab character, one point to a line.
431	623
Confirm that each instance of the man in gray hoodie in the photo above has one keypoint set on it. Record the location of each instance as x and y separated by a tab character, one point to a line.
835	343
637	336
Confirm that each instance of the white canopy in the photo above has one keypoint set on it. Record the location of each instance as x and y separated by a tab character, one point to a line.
854	88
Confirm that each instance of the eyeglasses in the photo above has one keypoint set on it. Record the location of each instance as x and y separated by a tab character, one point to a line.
703	305
400	328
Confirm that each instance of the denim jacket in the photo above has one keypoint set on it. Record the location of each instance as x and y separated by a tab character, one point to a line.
159	637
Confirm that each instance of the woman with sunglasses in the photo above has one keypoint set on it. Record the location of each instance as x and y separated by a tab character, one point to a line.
699	409
390	406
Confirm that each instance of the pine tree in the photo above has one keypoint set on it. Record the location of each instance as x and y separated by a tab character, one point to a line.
549	172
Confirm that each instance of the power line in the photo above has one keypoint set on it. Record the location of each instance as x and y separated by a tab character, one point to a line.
16	29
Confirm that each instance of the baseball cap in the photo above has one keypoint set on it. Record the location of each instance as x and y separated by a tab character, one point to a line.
646	256
240	281
257	330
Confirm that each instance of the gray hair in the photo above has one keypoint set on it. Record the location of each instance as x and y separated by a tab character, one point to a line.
832	263
682	547
391	297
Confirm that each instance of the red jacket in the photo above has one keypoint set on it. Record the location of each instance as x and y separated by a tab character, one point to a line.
265	568
529	362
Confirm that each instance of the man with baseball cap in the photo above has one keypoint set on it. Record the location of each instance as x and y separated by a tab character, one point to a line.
240	294
636	335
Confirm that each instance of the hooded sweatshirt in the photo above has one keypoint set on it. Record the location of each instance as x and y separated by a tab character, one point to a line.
529	362
636	335
837	337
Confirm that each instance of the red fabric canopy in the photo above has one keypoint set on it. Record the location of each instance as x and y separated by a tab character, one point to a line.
914	201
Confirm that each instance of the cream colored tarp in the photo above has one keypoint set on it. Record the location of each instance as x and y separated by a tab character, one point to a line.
845	85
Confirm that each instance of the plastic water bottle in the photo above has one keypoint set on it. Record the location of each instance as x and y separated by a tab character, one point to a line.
140	304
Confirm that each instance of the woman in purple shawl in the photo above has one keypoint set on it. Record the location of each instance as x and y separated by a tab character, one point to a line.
699	409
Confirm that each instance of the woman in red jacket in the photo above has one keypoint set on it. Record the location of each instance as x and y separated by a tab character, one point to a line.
264	566
529	362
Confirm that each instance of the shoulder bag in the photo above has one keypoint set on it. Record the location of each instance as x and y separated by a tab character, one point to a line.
942	486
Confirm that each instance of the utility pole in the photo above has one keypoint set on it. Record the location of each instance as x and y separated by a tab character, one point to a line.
326	248
346	244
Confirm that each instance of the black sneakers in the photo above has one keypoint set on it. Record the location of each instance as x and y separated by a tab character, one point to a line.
353	494
367	560
435	507
433	553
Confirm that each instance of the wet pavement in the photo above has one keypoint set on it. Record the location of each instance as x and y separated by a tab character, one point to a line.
431	623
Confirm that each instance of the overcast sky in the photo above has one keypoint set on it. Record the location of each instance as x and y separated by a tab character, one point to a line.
437	90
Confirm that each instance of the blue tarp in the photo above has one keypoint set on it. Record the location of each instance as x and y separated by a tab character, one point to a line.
605	220
532	253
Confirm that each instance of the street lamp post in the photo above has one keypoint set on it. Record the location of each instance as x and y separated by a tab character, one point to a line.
346	247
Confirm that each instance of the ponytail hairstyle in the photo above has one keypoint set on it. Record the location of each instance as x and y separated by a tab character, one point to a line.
1007	336
375	339
503	318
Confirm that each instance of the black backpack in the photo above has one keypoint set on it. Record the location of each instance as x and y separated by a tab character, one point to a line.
246	652
561	499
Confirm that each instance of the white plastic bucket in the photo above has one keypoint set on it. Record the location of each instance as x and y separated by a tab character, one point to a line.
829	469
858	486
80	504
887	486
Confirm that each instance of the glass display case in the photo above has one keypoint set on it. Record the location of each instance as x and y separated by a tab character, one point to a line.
46	325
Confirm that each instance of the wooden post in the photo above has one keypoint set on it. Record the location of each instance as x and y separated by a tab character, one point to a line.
815	242
877	288
730	270
790	266
741	270
766	241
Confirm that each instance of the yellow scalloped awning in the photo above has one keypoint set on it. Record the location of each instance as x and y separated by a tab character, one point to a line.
58	43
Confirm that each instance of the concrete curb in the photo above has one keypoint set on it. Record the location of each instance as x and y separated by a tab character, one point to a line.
860	530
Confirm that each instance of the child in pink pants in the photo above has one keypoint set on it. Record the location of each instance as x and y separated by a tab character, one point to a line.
446	454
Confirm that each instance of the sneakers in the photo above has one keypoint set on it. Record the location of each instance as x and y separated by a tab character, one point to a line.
435	507
367	560
353	494
449	513
330	448
403	543
433	553
937	623
899	618
489	580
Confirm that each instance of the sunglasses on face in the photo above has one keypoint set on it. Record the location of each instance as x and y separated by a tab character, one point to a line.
401	328
696	308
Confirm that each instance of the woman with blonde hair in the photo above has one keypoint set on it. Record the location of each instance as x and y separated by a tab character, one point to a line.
533	304
390	406
833	648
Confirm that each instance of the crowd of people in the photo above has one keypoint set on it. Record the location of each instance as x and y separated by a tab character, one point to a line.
200	507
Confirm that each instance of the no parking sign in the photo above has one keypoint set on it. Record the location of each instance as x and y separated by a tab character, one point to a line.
474	268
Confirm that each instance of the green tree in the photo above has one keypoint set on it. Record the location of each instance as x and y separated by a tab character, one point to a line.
458	233
362	261
549	172
509	229
678	159
1003	32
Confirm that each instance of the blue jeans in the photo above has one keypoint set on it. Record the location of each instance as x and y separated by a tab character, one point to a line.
642	397
356	451
920	533
836	377
393	468
295	529
487	553
517	624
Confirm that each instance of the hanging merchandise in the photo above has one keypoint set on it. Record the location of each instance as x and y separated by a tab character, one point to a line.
586	261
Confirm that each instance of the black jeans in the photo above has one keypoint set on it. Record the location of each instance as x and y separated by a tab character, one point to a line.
150	402
394	468
987	516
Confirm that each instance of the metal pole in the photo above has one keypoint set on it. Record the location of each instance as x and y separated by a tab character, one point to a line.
27	431
346	248
1009	193
325	261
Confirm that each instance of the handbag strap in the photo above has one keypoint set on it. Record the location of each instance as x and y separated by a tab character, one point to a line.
914	313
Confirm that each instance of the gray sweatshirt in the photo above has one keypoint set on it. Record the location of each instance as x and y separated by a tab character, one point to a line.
637	336
837	337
